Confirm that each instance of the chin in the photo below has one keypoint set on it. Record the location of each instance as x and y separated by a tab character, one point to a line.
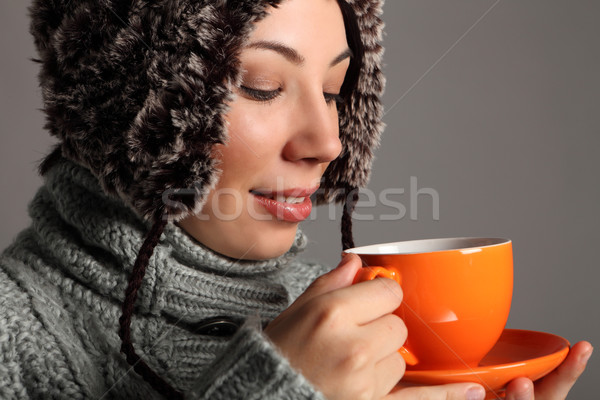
253	240
266	244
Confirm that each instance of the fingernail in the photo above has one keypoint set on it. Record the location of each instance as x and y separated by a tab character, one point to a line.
345	259
475	393
585	357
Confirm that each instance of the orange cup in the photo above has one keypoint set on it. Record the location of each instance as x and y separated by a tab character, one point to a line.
457	295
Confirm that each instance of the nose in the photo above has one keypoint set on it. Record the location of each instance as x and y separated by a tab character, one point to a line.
315	130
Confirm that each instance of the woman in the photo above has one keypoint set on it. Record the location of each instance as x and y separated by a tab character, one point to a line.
191	135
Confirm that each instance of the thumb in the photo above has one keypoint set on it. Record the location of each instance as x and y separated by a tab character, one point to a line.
452	391
338	278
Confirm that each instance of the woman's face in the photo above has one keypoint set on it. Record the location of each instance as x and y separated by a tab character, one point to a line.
283	131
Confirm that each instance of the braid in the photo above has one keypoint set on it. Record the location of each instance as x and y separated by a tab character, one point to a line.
350	202
135	281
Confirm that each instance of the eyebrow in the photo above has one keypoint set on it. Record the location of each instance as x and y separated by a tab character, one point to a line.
291	54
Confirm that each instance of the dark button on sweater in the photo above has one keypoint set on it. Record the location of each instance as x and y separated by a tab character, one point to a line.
217	326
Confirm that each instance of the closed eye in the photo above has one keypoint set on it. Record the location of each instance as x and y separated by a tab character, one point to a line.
261	95
331	98
268	95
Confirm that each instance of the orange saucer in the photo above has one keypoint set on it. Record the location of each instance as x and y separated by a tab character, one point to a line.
517	353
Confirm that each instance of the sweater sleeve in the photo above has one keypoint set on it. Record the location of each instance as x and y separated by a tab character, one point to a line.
34	361
30	366
251	368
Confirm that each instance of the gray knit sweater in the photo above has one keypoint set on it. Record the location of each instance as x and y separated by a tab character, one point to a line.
61	286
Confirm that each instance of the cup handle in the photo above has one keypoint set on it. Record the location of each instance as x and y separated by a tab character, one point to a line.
372	272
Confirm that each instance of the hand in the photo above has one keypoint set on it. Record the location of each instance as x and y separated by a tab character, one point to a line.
452	391
556	385
343	337
328	335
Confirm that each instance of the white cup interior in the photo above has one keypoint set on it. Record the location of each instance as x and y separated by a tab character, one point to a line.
465	244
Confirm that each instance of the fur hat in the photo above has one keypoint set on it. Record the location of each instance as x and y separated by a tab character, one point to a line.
135	91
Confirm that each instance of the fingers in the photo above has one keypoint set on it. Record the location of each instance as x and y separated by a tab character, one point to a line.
454	391
343	335
388	333
520	389
556	385
388	372
340	277
368	300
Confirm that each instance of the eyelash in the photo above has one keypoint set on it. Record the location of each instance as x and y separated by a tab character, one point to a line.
268	96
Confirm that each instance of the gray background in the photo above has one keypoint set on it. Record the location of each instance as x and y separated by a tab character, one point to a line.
494	105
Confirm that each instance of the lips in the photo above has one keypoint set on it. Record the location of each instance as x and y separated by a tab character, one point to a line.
291	205
280	198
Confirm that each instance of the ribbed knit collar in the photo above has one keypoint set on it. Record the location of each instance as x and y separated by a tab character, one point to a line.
94	240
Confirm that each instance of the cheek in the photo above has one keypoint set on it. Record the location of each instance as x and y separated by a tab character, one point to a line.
253	140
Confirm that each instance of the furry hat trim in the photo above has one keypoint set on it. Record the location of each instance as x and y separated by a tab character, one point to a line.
136	92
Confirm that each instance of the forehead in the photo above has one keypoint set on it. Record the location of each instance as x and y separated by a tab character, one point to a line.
304	25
